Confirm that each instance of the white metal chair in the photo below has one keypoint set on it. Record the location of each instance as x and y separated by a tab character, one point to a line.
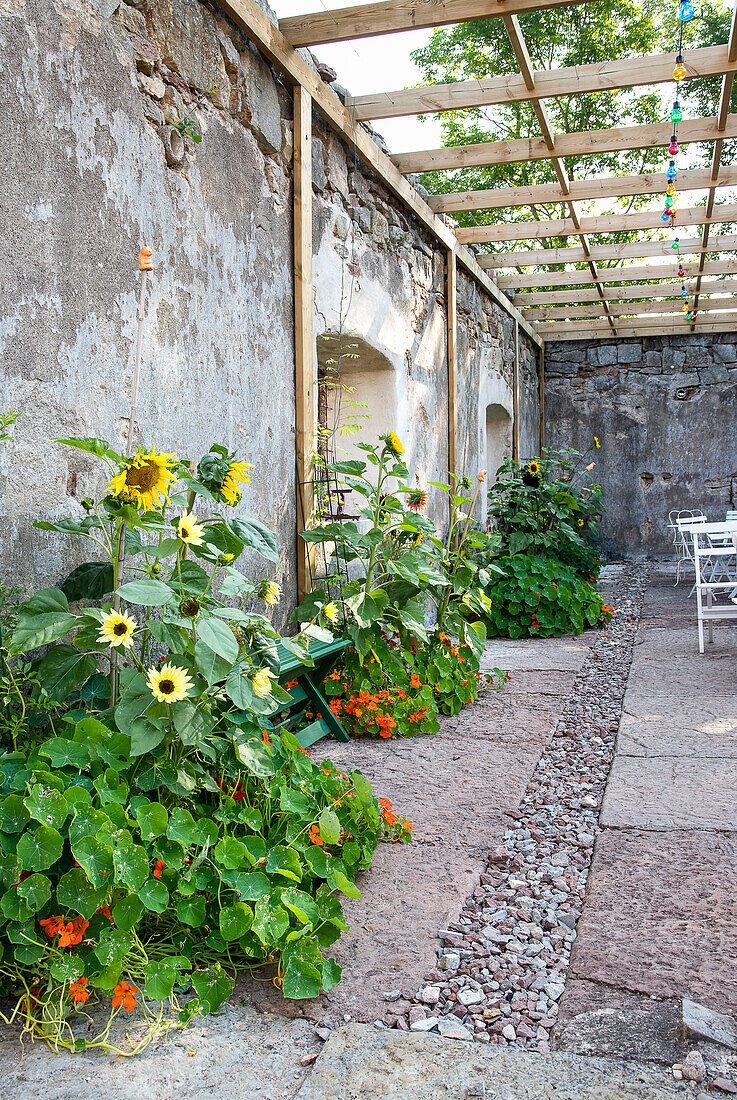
715	565
678	521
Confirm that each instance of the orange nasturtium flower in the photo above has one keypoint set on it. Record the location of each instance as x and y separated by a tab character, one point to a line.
386	811
77	991
315	835
125	995
415	681
52	926
160	865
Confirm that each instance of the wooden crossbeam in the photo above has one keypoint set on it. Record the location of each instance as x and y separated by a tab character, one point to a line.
620	274
511	88
611	187
388	16
673	305
597	330
601	223
629	250
620	294
588	143
260	30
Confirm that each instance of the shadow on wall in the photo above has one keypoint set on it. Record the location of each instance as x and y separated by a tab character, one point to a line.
356	394
498	439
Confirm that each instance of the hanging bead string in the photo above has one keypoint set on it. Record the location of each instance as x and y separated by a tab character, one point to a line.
686	13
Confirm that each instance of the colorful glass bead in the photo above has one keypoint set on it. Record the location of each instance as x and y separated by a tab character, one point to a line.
673	149
676	114
686	11
679	72
671	171
684	292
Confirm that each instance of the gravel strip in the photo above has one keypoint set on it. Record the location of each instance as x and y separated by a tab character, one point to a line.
502	965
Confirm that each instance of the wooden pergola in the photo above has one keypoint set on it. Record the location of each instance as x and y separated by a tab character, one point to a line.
600	302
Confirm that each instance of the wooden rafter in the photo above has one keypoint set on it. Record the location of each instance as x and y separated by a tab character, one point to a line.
611	187
619	294
619	274
388	16
512	88
634	250
601	223
673	305
597	329
591	142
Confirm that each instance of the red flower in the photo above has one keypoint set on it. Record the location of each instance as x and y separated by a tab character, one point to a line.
125	995
77	991
315	835
160	865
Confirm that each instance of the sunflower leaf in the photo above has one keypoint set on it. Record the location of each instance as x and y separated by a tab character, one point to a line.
149	592
90	581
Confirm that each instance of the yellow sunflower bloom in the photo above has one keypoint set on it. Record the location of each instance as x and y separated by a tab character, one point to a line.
394	444
596	441
534	467
330	611
144	479
117	629
189	530
237	471
261	683
169	683
270	593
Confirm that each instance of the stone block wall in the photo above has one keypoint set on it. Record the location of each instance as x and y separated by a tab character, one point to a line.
664	410
93	166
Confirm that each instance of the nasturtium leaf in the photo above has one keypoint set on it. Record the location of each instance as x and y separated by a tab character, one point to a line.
89	822
77	796
302	979
250	885
212	985
47	805
36	890
295	801
13	814
114	944
63	752
67	968
270	922
318	860
256	756
341	882
148	592
363	789
284	861
10	869
29	946
331	974
329	824
302	904
205	832
219	637
152	819
40	847
181	827
154	895
235	920
191	910
96	858
14	906
111	788
230	853
191	723
128	912
160	980
75	891
131	865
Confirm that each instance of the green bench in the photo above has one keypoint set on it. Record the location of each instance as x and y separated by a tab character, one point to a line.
307	693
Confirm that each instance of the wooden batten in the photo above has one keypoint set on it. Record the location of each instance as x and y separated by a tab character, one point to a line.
452	322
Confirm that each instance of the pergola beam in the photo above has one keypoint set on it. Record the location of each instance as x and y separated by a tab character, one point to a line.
620	294
602	223
389	16
611	187
632	310
512	88
588	143
635	250
619	274
597	330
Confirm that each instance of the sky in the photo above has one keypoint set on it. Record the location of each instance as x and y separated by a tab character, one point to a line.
371	65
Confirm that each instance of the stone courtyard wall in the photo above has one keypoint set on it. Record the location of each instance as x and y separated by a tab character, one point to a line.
92	168
665	412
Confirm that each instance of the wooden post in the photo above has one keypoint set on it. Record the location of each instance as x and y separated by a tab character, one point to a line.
541	368
304	352
451	292
515	394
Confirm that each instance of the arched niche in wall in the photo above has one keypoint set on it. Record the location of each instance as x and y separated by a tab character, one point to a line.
356	394
498	438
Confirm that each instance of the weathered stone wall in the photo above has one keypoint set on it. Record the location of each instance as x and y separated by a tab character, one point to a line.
92	167
663	409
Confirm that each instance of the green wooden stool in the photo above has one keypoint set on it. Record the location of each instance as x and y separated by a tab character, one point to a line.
307	693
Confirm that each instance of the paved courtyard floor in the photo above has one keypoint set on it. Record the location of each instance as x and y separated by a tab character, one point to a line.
658	918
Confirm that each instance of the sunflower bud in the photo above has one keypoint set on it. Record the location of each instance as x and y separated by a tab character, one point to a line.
225	559
156	569
190	607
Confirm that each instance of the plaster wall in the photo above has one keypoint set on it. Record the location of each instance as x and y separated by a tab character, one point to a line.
92	167
663	409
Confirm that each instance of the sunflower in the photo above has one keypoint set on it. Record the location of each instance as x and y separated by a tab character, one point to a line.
416	500
330	611
270	593
144	478
261	683
189	530
580	523
533	467
393	444
169	683
229	489
117	628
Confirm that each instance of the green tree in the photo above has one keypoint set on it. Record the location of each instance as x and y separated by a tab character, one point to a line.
579	35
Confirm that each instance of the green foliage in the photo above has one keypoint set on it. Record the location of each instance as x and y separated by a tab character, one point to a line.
542	597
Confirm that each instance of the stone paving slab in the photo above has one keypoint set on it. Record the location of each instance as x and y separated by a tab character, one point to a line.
359	1063
567	653
237	1053
671	792
661	916
701	731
